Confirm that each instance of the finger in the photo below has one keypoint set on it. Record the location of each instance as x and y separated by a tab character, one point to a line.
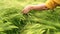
24	11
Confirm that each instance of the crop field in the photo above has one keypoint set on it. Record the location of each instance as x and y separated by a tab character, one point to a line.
12	21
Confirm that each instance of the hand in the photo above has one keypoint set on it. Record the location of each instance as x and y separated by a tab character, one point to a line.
26	9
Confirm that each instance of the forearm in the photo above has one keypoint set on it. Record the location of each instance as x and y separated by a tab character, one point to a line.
39	7
34	7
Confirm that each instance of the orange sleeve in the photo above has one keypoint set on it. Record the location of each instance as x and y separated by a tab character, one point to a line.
50	4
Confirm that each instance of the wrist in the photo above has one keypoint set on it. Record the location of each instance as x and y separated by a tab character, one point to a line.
30	7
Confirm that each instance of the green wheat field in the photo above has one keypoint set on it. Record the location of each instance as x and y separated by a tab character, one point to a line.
12	21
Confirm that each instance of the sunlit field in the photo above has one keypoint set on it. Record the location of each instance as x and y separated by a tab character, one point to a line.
12	21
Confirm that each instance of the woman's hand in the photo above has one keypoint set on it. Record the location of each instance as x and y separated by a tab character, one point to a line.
26	9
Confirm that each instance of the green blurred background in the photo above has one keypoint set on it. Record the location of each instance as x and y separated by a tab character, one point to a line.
12	21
